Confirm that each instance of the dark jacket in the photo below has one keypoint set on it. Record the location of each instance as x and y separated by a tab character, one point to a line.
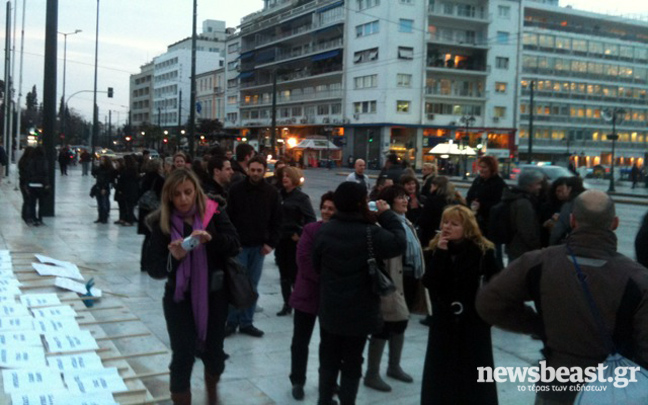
563	317
348	306
239	173
224	244
37	172
297	211
255	211
394	172
212	189
459	340
524	223
127	186
105	177
150	181
488	193
641	243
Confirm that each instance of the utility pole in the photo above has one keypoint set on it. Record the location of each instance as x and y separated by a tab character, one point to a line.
6	130
531	112
274	115
192	97
49	102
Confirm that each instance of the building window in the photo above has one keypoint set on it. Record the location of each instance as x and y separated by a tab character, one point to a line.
364	107
501	63
362	4
499	112
502	37
403	80
233	65
504	12
296	111
323	109
369	28
407	1
500	87
232	83
405	25
231	100
405	53
231	48
367	55
336	108
402	106
364	82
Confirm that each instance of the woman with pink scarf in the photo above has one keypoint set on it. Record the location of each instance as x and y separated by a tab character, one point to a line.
195	300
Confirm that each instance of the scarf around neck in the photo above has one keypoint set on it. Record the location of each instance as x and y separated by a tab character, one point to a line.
192	270
414	253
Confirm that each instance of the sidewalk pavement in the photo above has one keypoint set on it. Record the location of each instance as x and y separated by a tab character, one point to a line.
258	368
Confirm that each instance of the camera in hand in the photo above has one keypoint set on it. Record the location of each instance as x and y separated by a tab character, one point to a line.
190	243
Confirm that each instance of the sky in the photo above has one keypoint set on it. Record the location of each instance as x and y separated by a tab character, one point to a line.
133	32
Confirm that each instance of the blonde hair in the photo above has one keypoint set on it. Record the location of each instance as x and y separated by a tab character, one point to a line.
173	180
293	173
471	230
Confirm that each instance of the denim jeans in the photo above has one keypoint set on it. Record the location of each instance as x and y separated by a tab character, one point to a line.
103	206
252	259
84	168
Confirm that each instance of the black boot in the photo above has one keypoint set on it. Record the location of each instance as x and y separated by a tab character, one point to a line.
326	382
348	390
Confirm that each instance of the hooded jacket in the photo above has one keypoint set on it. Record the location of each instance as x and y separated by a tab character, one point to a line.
524	223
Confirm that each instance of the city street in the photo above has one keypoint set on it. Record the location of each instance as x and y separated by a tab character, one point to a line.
257	371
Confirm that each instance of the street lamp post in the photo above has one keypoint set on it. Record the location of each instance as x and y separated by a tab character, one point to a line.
614	115
467	120
65	35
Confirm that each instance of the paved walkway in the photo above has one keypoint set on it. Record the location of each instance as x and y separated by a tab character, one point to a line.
257	371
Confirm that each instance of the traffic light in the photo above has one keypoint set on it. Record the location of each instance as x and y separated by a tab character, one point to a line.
110	92
165	140
370	138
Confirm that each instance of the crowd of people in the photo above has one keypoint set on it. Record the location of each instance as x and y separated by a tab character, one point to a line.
464	263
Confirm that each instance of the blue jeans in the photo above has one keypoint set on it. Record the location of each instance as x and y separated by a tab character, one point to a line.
103	206
252	259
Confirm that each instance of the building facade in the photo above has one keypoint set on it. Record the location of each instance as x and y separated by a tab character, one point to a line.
141	95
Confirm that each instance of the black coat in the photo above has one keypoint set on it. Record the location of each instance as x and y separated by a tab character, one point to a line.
641	243
127	187
224	244
297	211
457	343
37	172
150	181
105	177
347	304
255	211
488	193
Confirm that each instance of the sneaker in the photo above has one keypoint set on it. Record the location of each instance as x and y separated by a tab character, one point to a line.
251	330
230	330
298	392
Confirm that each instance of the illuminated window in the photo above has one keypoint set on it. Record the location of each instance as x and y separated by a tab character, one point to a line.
500	87
402	106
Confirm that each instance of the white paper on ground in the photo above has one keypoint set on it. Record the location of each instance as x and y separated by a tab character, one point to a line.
25	357
49	270
40	300
63	398
9	282
80	288
16	323
77	341
63	311
13	310
10	290
20	339
31	380
106	380
60	263
71	362
54	326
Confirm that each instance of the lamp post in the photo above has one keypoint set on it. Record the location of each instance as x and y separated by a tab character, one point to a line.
467	120
614	115
65	35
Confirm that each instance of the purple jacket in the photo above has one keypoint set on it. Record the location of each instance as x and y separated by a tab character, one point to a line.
305	295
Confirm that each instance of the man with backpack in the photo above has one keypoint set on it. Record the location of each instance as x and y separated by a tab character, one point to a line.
516	217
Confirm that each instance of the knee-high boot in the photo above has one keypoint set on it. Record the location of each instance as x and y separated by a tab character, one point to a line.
348	390
181	398
211	383
326	383
372	377
394	369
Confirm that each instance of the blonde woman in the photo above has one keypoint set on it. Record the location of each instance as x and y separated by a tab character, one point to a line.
459	341
195	300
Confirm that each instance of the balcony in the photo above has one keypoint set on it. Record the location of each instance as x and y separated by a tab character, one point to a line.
295	98
473	69
456	93
305	51
458	39
455	14
295	76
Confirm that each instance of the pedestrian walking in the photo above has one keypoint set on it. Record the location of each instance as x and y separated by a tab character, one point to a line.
297	211
349	308
38	185
635	175
64	159
195	294
305	297
23	183
105	175
459	341
359	175
485	191
85	160
152	181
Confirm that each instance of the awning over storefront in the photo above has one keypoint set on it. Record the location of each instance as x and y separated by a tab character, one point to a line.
316	144
452	149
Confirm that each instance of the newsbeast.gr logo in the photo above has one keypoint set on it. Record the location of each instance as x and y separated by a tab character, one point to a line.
622	376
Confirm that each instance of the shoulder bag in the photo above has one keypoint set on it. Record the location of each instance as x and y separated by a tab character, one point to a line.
381	283
241	291
610	390
149	201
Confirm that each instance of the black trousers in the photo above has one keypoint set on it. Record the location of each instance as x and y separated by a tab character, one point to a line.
182	334
343	354
286	255
129	211
36	195
303	326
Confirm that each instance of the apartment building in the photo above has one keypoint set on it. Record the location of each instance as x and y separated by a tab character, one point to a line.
141	95
582	64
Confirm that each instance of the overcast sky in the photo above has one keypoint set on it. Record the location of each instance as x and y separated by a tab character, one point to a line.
132	32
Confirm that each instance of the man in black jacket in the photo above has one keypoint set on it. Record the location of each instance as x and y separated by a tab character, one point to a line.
220	170
254	208
244	152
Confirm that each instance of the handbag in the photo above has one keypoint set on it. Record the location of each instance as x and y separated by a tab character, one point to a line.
94	191
149	201
606	391
381	283
241	291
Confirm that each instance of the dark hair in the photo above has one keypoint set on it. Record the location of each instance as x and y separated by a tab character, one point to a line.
351	197
256	159
328	196
216	162
242	151
577	187
130	163
491	163
389	194
407	178
392	158
216	151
